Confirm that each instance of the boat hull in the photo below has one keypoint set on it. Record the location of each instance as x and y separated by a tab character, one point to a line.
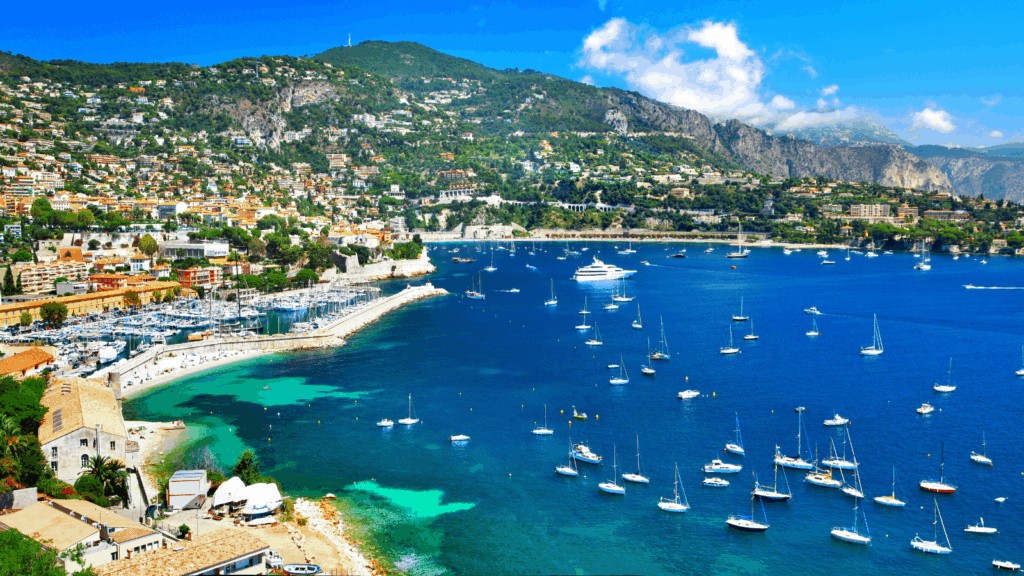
929	547
735	449
890	501
671	506
746	525
847	535
937	487
794	464
611	488
636	478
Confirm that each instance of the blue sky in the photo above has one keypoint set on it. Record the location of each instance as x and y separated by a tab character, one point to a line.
934	72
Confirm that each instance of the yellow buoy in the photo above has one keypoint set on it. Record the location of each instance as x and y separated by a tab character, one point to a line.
562	411
597	416
264	409
317	422
713	394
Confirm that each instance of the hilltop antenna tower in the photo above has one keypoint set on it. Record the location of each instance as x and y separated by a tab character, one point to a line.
350	40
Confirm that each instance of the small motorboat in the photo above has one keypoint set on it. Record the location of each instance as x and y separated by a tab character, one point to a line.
1005	565
578	415
458	438
687	394
980	528
713	482
837	420
925	408
385	423
301	568
812	310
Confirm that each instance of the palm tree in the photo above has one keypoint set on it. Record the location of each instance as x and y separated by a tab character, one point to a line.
112	474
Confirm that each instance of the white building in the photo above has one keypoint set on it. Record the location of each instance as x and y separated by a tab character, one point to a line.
187	489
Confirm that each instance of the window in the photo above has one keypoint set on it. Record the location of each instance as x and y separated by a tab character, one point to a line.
84	442
85	460
113	445
53	452
53	465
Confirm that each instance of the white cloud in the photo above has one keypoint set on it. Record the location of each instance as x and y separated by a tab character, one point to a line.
668	67
810	71
995	134
822	104
588	79
992	100
830	90
780	102
933	119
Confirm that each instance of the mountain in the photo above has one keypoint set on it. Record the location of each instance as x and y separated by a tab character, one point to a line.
510	100
1011	149
858	131
974	173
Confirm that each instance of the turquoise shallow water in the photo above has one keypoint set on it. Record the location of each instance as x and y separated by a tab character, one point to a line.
487	368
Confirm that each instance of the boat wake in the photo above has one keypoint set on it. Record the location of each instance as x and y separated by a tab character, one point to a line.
973	287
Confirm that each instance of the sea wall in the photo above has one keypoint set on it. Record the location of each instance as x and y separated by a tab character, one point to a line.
387	269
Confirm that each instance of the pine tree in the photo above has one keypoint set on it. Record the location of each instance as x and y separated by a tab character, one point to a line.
8	287
18	289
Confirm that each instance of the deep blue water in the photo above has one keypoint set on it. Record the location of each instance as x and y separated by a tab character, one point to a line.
487	368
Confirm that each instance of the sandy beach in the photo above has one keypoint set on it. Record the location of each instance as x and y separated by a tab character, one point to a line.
172	367
155	439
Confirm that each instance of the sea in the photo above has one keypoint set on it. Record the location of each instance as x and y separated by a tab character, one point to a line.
486	369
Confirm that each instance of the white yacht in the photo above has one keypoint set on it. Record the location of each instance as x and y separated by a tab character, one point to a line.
837	420
583	453
385	423
717	466
598	271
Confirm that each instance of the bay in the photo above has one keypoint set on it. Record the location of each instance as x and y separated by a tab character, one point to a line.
486	369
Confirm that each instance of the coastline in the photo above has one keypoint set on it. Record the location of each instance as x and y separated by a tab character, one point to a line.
169	366
321	536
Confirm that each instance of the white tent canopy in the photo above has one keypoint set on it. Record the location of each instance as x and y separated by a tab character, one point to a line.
229	492
261	499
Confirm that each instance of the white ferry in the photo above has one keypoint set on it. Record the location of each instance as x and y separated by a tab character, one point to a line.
598	271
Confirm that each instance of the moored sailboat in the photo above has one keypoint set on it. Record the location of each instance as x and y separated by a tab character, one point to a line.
891	499
569	469
544	430
876	347
736	445
637	324
948	386
622	378
772	493
662	352
748	523
553	301
639	477
675	504
939	486
409	420
795	462
731	348
933	546
612	486
981	458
